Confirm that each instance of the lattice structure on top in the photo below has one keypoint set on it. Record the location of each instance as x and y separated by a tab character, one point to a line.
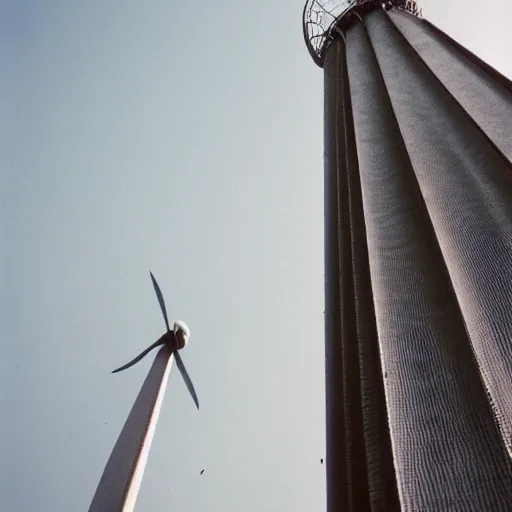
322	17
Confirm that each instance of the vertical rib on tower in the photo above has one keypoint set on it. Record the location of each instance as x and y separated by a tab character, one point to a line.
418	254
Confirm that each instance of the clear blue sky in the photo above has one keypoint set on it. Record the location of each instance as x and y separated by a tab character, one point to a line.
185	138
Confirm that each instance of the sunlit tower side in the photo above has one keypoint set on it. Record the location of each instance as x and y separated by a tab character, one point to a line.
120	482
418	259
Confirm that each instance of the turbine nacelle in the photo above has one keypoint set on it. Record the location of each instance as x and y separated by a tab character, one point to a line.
182	333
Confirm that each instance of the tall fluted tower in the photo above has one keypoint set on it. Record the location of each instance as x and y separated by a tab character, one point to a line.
418	257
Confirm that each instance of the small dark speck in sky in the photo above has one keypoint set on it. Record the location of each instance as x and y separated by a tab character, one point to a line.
321	461
202	472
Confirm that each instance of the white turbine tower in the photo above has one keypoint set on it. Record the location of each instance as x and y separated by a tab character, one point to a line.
120	483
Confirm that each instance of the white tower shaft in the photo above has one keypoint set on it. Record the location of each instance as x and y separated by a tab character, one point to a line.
120	483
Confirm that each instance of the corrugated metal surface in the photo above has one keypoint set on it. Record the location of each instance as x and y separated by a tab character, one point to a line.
418	218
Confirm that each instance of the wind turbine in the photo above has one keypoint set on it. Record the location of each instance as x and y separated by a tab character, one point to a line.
120	482
175	340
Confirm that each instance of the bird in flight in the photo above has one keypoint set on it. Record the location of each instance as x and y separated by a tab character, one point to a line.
202	472
175	339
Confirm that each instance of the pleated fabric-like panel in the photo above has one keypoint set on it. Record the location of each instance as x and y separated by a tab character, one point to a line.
357	431
467	187
335	274
446	445
419	227
484	97
345	460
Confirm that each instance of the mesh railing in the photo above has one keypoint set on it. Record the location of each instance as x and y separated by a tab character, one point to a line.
321	17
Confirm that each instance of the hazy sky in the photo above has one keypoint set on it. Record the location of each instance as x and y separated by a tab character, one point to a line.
185	138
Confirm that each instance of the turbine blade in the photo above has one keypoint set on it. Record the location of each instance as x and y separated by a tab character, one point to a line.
186	378
161	301
140	356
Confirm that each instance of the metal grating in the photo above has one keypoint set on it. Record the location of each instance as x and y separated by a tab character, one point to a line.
321	18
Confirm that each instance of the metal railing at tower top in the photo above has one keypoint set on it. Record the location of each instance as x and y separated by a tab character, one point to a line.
321	18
